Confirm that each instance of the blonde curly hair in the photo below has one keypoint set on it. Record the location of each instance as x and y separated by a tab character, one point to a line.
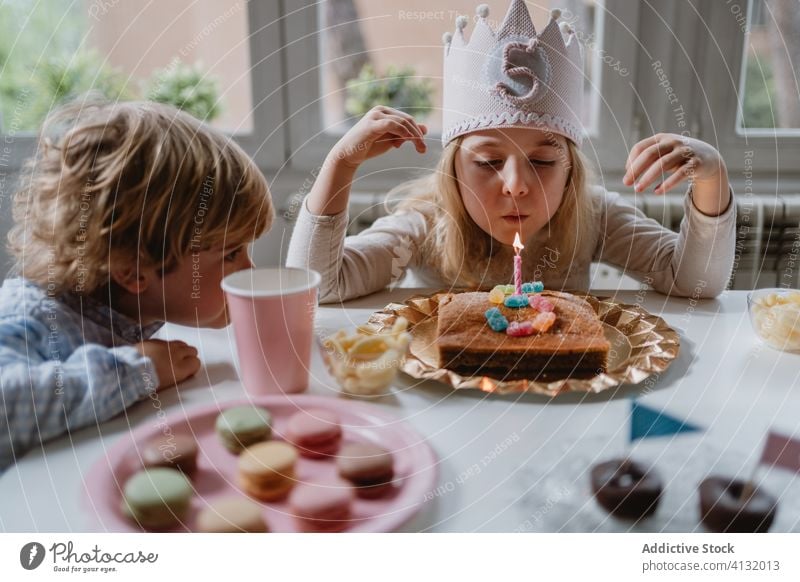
130	181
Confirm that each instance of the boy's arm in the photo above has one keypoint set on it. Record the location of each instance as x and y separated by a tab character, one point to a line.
42	397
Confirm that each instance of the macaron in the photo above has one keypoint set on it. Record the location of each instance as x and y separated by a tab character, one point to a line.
266	470
157	498
315	432
232	514
323	506
242	426
174	451
368	467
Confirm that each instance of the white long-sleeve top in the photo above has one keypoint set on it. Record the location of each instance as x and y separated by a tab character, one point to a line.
694	262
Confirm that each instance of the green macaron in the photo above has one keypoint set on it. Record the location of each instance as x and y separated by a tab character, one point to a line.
242	426
157	498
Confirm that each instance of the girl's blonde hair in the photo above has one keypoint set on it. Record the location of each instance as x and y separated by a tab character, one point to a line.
130	181
458	246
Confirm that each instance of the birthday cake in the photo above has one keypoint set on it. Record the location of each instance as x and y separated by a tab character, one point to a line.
534	334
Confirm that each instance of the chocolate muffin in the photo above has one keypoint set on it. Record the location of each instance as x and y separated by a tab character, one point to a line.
724	509
626	489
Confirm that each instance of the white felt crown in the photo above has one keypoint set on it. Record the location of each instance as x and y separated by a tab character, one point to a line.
513	77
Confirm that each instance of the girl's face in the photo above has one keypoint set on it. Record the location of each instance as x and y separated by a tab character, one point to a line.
512	180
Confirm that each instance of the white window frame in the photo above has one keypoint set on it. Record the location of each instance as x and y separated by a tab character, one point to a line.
289	145
774	155
608	141
707	73
267	142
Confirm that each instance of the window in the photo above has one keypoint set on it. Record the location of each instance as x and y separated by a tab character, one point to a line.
193	54
740	97
771	72
55	50
373	53
333	41
282	68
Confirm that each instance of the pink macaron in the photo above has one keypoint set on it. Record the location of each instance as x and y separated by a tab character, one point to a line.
316	433
323	506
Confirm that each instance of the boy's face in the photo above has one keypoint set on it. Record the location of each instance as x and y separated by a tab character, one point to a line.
512	180
192	294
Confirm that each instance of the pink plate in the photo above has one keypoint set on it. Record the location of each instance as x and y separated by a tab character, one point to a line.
415	464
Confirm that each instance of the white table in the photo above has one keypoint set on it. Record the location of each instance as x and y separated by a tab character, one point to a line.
500	458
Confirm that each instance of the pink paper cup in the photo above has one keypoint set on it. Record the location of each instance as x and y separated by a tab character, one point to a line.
272	311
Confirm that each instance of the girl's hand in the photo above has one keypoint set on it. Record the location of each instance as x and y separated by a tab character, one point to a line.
380	130
682	157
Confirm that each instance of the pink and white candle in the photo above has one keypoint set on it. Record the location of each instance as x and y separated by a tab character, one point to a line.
517	265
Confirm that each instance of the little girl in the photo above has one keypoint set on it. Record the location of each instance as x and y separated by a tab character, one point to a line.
512	165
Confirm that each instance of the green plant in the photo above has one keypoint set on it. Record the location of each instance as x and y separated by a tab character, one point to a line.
758	108
57	80
44	62
398	88
31	35
186	87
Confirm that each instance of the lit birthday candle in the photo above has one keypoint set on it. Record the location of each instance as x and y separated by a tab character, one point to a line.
517	265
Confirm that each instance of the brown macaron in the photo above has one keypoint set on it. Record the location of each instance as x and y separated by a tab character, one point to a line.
173	452
368	467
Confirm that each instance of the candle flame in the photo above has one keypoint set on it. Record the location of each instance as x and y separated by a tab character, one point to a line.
518	246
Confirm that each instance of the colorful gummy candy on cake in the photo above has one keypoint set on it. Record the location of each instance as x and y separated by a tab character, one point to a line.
535	334
538	319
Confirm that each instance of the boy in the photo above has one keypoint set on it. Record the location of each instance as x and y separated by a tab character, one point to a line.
129	215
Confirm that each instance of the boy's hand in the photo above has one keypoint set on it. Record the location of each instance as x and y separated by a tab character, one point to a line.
174	361
380	130
667	153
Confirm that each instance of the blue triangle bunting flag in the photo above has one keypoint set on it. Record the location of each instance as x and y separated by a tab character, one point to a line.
647	422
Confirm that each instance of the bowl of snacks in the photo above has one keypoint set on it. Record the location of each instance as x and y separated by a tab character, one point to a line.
775	317
364	361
